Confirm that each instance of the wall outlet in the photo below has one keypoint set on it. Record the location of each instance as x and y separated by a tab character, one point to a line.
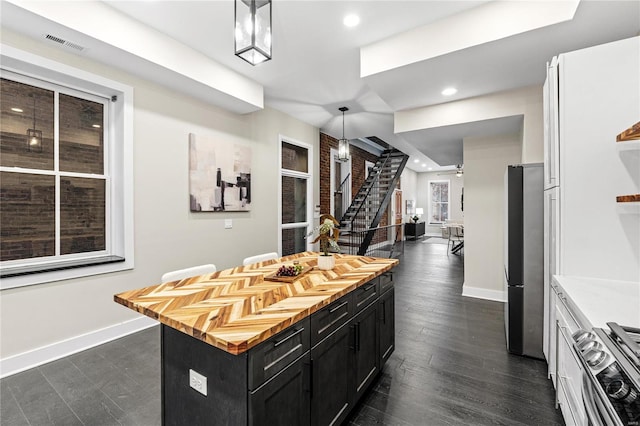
228	223
198	382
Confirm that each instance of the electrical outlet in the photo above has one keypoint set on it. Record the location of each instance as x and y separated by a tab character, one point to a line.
198	382
228	223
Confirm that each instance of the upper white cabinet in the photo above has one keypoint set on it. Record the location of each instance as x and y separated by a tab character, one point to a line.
551	121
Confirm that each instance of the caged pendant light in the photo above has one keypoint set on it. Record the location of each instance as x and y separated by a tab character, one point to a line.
343	144
253	30
34	137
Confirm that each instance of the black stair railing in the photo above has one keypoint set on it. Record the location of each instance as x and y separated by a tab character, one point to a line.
360	221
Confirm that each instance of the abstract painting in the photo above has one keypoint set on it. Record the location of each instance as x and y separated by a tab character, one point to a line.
219	175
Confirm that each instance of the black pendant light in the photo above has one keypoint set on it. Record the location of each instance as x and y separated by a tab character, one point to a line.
253	30
34	137
343	144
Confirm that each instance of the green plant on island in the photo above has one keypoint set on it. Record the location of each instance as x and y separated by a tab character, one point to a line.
327	234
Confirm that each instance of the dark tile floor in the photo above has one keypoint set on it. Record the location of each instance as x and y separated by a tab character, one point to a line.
450	367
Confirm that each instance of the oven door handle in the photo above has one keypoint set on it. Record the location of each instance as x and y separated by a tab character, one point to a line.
598	414
593	419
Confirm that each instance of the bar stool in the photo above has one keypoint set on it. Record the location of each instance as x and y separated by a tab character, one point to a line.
259	258
188	272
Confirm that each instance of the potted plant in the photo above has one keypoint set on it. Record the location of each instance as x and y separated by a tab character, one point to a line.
327	234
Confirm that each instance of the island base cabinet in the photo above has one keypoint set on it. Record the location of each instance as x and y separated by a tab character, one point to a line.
386	315
283	400
331	382
311	373
365	348
226	384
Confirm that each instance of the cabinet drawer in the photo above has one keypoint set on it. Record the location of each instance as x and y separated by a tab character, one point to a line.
331	317
386	282
273	355
366	294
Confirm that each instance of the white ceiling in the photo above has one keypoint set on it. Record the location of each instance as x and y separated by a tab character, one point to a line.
316	59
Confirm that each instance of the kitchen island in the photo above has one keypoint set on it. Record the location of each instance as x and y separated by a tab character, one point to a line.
239	349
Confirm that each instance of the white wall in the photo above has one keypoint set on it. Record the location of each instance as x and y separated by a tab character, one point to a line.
167	234
455	191
485	162
526	102
408	183
600	97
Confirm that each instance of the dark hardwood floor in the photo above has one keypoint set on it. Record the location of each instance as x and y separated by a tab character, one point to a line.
450	367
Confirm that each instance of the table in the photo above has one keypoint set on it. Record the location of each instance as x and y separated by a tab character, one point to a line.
238	349
415	230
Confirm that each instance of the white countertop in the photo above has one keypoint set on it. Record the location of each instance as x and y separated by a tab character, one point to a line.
601	301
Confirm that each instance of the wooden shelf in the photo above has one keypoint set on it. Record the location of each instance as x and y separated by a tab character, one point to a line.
631	134
633	198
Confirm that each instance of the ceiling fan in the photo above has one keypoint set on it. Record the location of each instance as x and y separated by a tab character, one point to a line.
458	171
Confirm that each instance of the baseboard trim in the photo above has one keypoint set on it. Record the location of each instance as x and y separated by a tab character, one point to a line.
36	357
483	293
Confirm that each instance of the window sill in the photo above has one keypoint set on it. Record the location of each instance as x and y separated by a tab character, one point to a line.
21	276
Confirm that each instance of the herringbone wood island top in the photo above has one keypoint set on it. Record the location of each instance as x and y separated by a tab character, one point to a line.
236	309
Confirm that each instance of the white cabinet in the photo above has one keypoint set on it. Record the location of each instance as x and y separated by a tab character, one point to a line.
551	127
568	369
551	268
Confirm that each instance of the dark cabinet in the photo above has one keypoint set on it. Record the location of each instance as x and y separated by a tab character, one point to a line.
414	230
330	379
365	349
283	400
311	373
386	318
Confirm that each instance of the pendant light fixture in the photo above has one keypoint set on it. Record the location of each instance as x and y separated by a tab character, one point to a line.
34	137
253	30
343	144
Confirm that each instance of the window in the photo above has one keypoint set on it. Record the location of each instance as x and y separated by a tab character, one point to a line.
438	201
295	196
65	172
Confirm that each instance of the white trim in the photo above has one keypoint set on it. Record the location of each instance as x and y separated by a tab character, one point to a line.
42	355
120	193
300	175
429	204
484	293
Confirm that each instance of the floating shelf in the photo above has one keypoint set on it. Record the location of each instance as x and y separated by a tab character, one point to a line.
633	198
631	134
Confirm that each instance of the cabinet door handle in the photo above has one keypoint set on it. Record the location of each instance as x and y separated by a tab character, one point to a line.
369	287
294	333
384	313
335	308
311	378
358	337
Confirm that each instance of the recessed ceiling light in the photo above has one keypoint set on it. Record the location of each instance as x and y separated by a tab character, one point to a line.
430	168
424	165
351	20
17	110
416	161
449	91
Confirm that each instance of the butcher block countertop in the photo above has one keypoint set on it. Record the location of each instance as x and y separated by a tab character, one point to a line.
236	309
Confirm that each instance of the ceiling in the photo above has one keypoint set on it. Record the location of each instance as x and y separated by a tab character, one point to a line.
318	63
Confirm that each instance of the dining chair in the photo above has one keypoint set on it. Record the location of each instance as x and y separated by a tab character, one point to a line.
259	258
188	272
456	236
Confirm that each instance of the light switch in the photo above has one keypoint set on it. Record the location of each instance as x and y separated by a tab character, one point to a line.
228	223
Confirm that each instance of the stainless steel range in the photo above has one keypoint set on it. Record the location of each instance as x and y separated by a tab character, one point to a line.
611	384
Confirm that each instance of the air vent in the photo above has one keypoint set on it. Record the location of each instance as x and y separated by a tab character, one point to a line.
66	43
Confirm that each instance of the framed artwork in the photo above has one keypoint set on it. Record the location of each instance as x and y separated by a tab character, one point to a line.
219	175
409	206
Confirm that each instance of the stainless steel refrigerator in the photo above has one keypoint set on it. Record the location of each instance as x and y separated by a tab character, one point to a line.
523	260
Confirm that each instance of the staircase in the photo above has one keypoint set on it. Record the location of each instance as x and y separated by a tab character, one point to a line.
359	226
